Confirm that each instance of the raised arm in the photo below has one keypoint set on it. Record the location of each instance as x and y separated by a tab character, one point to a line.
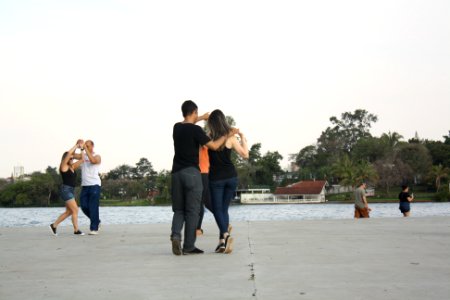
64	165
240	147
80	144
203	117
93	159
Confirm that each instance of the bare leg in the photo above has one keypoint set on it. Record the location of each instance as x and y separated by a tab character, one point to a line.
406	214
73	207
63	216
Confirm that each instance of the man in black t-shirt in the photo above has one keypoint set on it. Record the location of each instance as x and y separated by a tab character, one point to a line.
187	184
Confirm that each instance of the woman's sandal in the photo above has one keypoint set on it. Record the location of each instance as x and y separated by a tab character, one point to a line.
220	248
228	244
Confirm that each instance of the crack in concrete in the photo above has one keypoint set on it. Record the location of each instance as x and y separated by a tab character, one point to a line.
252	263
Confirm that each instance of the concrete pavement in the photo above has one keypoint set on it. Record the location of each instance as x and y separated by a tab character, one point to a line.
389	258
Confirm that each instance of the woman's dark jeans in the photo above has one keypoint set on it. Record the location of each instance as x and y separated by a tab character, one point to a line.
222	192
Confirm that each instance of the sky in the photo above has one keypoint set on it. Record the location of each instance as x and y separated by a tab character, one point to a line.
117	72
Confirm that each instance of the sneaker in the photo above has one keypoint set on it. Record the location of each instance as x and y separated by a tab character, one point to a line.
176	247
93	232
53	229
228	245
194	251
220	248
78	232
199	232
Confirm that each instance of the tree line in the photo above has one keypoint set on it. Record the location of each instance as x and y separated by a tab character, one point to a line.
345	153
128	183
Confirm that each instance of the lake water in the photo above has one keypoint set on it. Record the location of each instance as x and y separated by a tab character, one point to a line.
26	217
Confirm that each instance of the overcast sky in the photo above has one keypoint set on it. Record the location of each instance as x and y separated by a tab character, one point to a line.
117	72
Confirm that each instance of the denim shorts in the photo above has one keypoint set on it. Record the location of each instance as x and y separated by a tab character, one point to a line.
404	207
67	192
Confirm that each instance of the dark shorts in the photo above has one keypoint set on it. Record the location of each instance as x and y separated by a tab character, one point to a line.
361	212
67	192
404	207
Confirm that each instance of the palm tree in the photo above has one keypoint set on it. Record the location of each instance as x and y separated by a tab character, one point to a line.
438	173
351	174
345	170
365	171
391	139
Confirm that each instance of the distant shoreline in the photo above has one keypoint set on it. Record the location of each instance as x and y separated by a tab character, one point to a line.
140	203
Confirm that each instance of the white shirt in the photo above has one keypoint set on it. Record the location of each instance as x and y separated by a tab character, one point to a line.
90	173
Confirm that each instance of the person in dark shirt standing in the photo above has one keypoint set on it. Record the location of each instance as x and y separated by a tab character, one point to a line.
405	199
187	184
67	169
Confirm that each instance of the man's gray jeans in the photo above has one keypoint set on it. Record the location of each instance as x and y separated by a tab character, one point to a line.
187	191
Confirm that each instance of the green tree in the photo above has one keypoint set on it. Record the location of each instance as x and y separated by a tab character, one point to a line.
144	169
43	188
370	149
121	172
8	194
437	173
268	167
342	136
254	154
391	140
345	171
365	172
306	158
447	138
3	182
164	185
440	152
247	169
353	126
392	171
351	174
417	157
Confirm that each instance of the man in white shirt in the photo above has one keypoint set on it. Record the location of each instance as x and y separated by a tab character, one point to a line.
90	185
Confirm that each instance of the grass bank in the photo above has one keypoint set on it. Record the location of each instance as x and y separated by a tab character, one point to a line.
136	202
380	198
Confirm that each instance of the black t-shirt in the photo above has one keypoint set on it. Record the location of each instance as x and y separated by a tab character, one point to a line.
403	197
187	139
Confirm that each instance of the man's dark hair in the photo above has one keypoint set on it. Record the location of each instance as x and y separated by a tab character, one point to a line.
188	107
404	187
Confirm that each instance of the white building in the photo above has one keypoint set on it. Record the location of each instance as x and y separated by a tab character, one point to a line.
300	192
19	172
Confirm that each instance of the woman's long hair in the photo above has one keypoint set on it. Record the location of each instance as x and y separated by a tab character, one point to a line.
218	125
64	155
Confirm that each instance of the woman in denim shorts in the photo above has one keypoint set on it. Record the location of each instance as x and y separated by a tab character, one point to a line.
67	170
405	199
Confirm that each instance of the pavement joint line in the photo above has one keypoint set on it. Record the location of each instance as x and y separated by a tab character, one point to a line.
252	263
